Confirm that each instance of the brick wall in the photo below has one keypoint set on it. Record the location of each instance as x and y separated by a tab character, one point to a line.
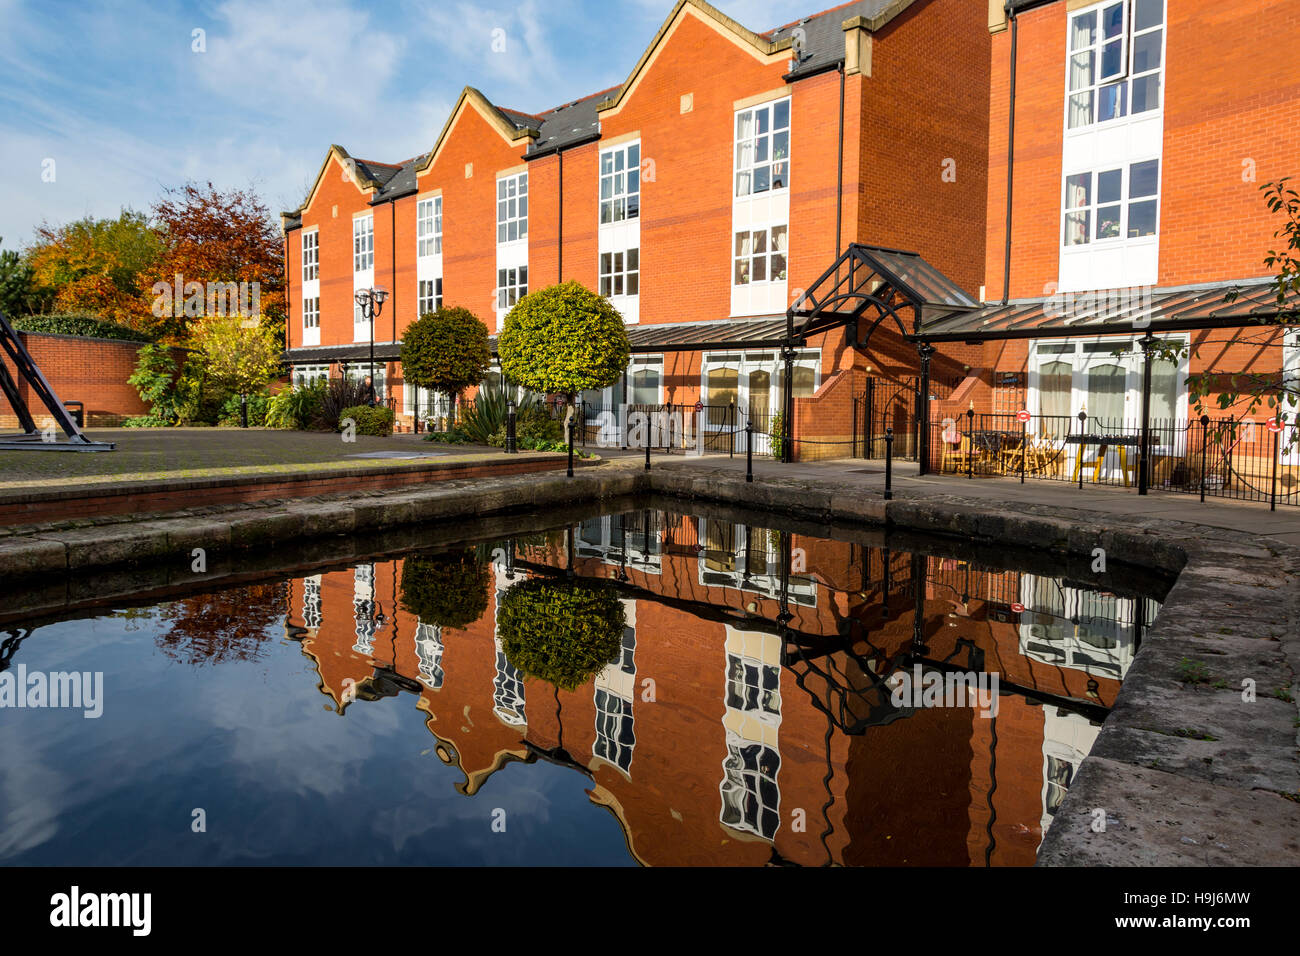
93	371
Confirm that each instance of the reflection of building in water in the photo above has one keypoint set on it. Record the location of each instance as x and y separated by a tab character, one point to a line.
363	603
615	690
751	798
715	771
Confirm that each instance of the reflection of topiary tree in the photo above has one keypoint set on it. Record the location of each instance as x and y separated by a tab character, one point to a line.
449	590
562	633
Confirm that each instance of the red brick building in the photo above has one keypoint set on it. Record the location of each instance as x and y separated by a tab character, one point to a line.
703	195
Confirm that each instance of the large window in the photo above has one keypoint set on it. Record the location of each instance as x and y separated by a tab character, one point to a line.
620	273
310	256
430	296
620	183
1090	376
512	285
428	227
763	148
760	255
363	244
304	375
512	208
1112	204
1115	55
310	314
645	380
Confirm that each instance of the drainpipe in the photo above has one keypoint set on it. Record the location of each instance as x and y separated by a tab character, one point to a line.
1010	12
559	265
392	273
839	173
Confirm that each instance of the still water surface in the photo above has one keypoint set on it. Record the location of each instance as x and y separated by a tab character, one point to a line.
637	688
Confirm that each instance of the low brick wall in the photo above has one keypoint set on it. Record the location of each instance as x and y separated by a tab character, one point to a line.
80	369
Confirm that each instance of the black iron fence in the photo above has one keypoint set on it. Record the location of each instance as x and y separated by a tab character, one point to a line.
679	428
1209	457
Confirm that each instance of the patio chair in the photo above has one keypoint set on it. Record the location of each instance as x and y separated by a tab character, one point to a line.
961	456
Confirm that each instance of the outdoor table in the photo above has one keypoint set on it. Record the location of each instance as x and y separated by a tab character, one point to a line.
1121	442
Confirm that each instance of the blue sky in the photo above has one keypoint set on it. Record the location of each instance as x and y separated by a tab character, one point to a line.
116	96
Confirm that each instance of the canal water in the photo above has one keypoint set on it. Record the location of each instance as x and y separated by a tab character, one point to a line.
638	687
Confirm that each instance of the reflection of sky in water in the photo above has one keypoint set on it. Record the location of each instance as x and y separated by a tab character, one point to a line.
282	780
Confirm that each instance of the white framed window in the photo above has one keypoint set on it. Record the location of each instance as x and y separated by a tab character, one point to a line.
359	371
363	244
1115	51
759	255
304	375
311	313
1121	203
512	208
620	183
620	273
762	148
430	296
428	227
645	380
512	285
310	256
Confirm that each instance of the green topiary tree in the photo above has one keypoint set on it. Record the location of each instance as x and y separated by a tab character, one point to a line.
449	589
561	632
446	351
563	340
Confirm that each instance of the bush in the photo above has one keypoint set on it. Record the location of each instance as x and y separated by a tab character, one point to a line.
145	421
453	436
231	417
449	590
371	419
198	400
446	350
484	417
78	324
296	407
562	633
155	379
339	394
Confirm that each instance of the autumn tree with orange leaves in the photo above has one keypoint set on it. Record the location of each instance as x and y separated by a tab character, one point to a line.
210	236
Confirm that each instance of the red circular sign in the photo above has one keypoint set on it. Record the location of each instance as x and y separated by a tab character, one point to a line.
1018	608
1023	415
1272	425
699	406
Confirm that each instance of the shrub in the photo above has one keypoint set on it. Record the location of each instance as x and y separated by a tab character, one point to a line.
446	351
231	417
339	394
482	418
145	421
371	419
452	437
155	379
561	632
199	400
563	339
449	590
295	407
78	324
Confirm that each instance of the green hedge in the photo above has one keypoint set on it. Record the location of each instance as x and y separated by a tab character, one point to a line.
85	325
370	419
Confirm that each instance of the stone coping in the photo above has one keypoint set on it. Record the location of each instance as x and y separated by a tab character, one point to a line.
1184	771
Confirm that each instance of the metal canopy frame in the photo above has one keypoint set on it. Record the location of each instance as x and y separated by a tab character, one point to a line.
32	438
869	281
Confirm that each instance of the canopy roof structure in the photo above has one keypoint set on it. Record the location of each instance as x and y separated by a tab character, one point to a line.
1215	305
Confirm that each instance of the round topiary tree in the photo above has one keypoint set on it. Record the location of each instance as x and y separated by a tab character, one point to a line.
449	589
563	340
561	632
446	351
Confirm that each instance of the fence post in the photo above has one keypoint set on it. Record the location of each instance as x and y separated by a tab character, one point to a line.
647	453
889	464
749	451
731	428
1272	503
1078	455
511	444
573	423
970	441
1024	448
1205	440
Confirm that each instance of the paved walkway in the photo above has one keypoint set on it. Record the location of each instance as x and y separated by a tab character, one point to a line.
1251	517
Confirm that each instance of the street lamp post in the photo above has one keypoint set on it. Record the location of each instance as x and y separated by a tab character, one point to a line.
371	302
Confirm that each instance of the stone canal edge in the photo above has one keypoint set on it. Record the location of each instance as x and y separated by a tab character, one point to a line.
1185	770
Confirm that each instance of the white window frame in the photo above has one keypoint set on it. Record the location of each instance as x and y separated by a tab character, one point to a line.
619	272
428	227
304	375
768	257
512	208
311	256
363	244
428	296
1094	205
512	285
1123	80
619	183
746	163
